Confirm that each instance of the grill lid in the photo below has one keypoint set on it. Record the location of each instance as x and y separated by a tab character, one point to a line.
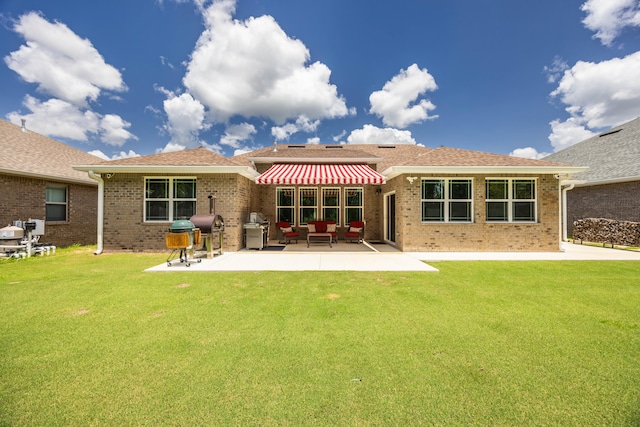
181	225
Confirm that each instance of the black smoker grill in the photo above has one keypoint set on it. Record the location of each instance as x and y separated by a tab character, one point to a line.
181	238
209	226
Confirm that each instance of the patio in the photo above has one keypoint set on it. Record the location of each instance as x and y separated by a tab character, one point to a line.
361	257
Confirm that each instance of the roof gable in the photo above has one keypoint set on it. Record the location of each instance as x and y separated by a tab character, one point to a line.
28	153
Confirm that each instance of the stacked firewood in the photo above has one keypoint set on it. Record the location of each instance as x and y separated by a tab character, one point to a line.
601	230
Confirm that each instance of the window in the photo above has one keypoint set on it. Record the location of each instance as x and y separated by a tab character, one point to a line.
447	200
286	204
168	199
331	204
511	200
308	205
353	205
56	203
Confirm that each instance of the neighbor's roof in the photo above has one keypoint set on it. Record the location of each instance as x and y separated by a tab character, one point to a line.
27	153
612	156
196	160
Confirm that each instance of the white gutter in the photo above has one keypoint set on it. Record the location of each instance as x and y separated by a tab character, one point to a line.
394	171
100	224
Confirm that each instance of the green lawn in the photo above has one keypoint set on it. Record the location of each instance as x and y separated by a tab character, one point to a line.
94	340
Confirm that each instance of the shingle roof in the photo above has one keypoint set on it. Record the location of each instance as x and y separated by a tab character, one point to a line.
446	156
612	155
386	156
31	154
192	157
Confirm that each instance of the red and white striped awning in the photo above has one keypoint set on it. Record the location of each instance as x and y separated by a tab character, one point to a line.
312	174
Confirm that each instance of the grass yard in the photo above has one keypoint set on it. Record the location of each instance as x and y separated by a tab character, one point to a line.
94	340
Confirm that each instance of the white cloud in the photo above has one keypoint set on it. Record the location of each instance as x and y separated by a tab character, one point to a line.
58	118
170	147
602	94
185	120
114	130
395	103
556	69
338	138
234	134
60	62
313	141
370	134
120	155
302	124
528	153
565	134
607	18
252	68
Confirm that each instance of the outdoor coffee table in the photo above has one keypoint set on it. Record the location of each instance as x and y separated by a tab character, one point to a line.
319	238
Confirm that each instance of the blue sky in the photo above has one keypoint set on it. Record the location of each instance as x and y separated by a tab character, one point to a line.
125	78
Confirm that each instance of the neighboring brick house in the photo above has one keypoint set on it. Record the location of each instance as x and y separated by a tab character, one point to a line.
416	198
610	188
37	181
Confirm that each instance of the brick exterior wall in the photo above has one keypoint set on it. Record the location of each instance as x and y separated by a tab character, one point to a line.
124	226
414	235
22	198
619	201
236	197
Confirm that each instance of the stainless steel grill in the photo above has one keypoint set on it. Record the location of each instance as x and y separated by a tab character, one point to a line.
256	231
212	228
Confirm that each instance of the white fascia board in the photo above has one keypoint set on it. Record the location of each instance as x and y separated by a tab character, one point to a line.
245	171
394	171
316	160
52	178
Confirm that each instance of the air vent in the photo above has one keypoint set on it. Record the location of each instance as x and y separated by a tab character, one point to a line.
386	146
333	146
610	133
296	146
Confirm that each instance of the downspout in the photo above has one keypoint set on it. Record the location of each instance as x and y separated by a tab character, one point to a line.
564	210
93	176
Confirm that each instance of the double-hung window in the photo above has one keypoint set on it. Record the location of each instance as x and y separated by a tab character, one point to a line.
353	205
168	199
447	200
308	205
56	203
286	204
331	204
511	200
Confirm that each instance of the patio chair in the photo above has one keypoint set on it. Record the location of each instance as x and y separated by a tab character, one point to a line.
286	233
355	232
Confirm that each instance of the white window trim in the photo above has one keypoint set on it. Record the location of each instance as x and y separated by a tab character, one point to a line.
170	199
345	206
446	200
294	207
65	203
510	199
338	207
300	207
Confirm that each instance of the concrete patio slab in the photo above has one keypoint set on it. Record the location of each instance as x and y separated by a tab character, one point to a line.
289	260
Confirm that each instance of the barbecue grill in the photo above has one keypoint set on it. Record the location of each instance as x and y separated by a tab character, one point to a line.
256	231
210	226
181	238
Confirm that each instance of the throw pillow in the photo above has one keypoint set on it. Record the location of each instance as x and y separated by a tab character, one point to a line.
355	229
312	228
331	228
287	230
